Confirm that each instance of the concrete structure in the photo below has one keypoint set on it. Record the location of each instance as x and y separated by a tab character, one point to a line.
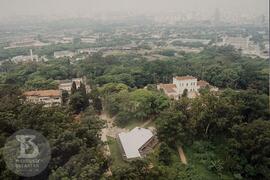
237	42
26	43
136	143
170	90
47	97
217	17
24	59
88	40
266	51
202	84
247	46
62	54
65	85
182	83
185	82
185	40
88	51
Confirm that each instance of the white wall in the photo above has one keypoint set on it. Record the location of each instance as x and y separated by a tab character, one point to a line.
190	85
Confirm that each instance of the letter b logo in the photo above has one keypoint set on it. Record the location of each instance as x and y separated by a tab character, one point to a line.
28	149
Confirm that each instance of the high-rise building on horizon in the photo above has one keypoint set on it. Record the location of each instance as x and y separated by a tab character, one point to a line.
217	16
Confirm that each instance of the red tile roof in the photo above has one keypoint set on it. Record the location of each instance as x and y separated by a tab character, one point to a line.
202	83
170	88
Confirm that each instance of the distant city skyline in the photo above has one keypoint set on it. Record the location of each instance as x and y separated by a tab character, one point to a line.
88	8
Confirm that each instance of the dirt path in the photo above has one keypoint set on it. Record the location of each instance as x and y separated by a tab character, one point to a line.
104	133
182	155
111	130
146	123
105	117
104	139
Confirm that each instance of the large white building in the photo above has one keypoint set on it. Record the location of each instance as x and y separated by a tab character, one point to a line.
89	51
62	54
182	83
134	144
47	97
185	82
65	85
237	42
88	40
247	46
24	59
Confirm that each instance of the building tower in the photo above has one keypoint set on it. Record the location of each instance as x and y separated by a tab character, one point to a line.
31	55
217	17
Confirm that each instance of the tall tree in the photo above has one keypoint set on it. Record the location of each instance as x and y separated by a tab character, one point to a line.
185	93
73	88
96	100
82	91
250	149
77	102
165	154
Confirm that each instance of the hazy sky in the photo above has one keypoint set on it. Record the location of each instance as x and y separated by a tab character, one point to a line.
85	7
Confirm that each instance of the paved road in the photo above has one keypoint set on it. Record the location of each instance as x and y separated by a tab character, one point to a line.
182	155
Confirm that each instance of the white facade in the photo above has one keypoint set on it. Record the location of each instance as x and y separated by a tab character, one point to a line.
22	59
88	51
185	83
180	83
237	42
62	54
67	84
46	100
170	90
47	97
78	81
88	40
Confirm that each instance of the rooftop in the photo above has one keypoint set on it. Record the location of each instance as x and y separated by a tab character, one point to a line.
132	141
170	88
77	80
202	83
43	93
180	78
66	84
63	53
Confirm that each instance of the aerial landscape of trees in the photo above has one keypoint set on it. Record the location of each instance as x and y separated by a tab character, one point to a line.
70	142
226	134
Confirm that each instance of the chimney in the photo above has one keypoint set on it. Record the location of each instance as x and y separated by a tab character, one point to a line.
31	55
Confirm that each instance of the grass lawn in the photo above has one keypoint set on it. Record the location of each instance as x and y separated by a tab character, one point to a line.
115	153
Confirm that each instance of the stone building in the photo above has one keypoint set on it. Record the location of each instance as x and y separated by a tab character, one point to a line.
47	97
